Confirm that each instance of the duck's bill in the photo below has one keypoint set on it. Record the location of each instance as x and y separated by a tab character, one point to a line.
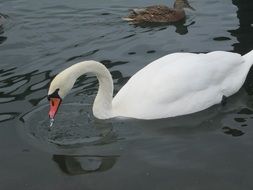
54	106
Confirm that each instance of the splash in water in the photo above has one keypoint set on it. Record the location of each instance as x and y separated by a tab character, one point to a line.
51	123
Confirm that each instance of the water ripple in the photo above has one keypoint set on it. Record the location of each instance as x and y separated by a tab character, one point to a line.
8	116
83	55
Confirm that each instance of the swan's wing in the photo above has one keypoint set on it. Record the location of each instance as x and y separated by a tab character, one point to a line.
180	83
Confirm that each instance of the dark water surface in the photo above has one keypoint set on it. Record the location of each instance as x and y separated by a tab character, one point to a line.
212	149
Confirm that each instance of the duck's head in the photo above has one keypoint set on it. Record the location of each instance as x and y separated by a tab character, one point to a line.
59	88
181	4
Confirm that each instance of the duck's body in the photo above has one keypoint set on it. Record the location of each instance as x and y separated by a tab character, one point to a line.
159	13
156	14
176	84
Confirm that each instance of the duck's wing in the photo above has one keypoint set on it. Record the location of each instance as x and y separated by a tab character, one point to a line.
138	11
155	9
156	13
181	83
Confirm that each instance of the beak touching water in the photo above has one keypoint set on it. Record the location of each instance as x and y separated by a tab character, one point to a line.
54	106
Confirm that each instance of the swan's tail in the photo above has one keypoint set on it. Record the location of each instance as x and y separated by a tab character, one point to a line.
249	57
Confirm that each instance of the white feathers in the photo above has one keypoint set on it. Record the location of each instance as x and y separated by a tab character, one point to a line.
176	84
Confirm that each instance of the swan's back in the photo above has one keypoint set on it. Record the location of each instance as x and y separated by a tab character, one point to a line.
180	83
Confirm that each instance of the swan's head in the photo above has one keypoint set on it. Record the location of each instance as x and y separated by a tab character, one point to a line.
59	88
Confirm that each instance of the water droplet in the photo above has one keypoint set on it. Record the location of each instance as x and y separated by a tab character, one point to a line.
51	123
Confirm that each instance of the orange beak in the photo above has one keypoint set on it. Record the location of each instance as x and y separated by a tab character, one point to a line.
54	106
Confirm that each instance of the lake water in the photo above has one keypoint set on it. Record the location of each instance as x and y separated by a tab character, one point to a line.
212	149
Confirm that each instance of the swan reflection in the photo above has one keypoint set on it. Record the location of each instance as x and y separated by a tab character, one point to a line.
2	21
76	164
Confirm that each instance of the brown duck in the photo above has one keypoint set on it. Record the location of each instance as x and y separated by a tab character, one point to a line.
159	13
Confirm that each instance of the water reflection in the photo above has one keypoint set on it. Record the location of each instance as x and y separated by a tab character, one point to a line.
244	32
233	132
221	38
80	143
14	86
76	164
7	116
83	55
245	111
75	130
181	26
2	21
244	36
236	124
2	38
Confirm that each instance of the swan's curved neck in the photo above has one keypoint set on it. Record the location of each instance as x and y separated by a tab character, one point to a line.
102	107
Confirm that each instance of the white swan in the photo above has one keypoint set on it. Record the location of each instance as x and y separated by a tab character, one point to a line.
176	84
